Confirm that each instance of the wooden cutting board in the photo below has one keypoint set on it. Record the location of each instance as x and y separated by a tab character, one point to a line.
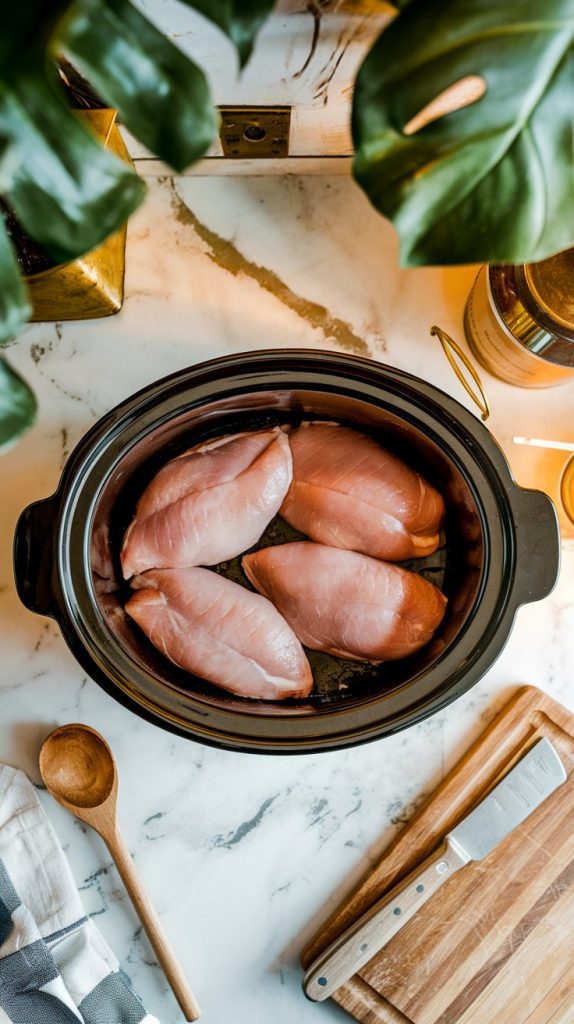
496	943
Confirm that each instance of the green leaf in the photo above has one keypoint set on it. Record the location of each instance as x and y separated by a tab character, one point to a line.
14	306
68	193
30	23
162	97
17	405
493	181
239	19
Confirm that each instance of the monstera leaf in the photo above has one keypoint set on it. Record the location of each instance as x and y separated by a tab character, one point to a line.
162	96
493	181
67	192
14	306
240	19
17	405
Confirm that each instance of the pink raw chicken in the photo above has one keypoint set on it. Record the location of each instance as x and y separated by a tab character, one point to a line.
219	630
346	603
209	504
349	492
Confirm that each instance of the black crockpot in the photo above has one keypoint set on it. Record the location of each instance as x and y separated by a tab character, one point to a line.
502	545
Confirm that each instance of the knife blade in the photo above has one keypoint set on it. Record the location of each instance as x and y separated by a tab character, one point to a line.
532	780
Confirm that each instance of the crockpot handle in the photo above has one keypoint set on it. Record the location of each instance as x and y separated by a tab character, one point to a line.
538	543
33	557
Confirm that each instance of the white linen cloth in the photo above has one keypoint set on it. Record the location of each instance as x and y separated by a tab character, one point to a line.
55	966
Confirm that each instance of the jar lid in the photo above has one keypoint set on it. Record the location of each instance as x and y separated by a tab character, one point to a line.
549	286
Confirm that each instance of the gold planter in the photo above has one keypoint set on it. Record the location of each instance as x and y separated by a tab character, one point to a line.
93	285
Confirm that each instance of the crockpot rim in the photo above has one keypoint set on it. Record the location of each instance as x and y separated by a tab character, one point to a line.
488	456
236	386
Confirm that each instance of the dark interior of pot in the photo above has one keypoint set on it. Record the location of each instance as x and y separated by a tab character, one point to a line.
457	568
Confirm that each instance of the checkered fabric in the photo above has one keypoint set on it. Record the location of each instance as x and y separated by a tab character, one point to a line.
55	966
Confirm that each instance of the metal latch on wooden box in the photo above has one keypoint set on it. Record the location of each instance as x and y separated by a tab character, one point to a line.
253	132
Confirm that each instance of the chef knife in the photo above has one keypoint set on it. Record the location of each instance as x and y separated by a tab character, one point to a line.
519	793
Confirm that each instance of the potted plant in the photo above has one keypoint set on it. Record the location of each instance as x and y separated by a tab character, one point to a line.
480	174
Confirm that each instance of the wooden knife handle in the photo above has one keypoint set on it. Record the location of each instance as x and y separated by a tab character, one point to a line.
359	944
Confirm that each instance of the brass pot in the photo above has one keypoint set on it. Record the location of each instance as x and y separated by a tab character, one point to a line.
93	285
519	321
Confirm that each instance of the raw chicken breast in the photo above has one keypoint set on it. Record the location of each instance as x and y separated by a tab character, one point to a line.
346	603
209	504
208	625
349	492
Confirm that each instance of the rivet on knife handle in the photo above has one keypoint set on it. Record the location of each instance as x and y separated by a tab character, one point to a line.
374	929
520	792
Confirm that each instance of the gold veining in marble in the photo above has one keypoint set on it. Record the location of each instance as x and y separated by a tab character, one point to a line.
227	256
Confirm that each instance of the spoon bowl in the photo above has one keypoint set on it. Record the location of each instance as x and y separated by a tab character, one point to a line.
78	767
80	772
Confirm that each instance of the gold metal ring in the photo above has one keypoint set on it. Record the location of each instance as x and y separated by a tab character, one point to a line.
449	346
567	488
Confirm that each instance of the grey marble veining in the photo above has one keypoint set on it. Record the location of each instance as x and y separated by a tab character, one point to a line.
245	855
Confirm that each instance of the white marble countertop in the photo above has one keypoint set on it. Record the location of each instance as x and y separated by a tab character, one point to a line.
244	855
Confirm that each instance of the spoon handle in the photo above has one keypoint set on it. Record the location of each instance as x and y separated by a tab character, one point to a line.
153	926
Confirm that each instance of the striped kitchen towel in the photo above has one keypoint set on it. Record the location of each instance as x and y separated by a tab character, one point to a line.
55	966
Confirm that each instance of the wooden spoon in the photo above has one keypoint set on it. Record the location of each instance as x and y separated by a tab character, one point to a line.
79	770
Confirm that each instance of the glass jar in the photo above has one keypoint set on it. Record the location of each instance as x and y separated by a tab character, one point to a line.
519	321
